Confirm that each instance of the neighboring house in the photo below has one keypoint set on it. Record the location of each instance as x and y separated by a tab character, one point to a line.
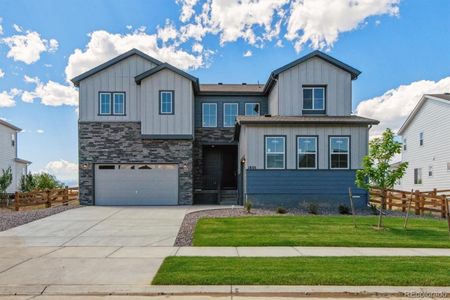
8	154
150	134
426	145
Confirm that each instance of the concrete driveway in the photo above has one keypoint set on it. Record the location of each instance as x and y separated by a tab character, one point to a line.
89	246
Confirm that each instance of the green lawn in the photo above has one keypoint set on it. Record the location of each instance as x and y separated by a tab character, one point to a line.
320	231
396	271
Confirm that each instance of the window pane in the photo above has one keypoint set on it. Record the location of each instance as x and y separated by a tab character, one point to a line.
166	102
105	103
119	103
339	161
339	144
319	98
307	161
275	161
252	109
275	145
230	112
307	99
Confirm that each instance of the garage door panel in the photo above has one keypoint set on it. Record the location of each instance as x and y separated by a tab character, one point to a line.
129	185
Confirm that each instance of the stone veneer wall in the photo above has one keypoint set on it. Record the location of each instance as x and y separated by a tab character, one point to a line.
208	136
121	142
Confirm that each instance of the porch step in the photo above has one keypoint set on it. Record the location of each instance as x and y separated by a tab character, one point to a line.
228	197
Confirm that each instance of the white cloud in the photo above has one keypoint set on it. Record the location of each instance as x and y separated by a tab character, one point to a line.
7	99
129	27
104	45
40	131
394	106
314	22
63	170
51	93
17	28
168	32
1	27
248	53
29	46
319	22
2	74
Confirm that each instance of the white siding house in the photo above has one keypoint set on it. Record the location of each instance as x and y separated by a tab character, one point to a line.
426	145
8	154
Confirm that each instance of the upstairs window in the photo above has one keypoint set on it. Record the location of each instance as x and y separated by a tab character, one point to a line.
430	171
13	139
105	103
307	152
404	144
166	102
314	99
275	152
230	111
421	139
112	103
252	109
417	176
209	114
339	152
119	103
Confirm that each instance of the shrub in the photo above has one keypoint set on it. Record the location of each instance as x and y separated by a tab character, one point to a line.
248	206
281	210
312	209
343	210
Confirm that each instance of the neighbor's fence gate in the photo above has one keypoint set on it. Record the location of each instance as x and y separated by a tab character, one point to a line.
46	197
434	201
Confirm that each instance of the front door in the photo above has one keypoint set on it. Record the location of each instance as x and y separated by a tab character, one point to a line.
212	165
229	168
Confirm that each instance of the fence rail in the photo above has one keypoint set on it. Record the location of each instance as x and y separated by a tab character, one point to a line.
421	202
46	197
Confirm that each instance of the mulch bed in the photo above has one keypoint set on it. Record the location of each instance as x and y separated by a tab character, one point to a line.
10	219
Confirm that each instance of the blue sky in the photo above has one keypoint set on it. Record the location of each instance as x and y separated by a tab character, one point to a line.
400	47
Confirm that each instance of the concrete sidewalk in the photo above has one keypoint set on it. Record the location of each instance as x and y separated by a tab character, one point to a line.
219	292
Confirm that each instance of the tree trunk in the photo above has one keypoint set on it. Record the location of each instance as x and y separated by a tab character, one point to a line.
383	206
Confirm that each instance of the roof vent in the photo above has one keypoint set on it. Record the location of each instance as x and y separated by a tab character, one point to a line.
220	83
447	93
268	116
244	83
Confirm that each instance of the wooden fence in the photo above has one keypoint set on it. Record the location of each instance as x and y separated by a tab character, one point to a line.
421	202
47	197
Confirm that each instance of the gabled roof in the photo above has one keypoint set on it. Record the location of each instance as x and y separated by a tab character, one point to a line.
232	89
9	125
445	98
76	80
167	66
354	72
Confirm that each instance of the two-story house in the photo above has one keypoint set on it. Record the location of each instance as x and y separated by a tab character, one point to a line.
151	134
8	154
426	145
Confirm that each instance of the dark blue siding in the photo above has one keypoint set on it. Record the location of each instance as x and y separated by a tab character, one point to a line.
292	188
220	100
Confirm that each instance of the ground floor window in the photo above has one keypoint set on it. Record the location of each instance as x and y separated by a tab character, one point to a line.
275	152
417	176
339	152
306	152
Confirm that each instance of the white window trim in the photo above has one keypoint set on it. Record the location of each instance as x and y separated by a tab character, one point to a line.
284	152
414	175
421	139
100	104
324	97
114	104
160	103
430	169
315	153
348	152
203	115
237	113
405	145
252	103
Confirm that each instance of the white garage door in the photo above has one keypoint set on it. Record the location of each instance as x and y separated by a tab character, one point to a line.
136	184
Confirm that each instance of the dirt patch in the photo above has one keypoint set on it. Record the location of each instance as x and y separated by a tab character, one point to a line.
10	218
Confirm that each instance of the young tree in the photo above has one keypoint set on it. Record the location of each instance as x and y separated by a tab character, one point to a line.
5	182
376	170
27	183
45	181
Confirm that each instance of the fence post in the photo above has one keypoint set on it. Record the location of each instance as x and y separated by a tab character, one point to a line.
48	203
417	202
403	202
66	195
443	208
390	200
16	201
434	192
